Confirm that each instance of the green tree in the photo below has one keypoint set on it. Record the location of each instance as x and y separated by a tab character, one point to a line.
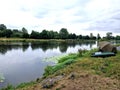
98	36
24	30
72	36
91	35
50	34
56	35
34	35
16	33
80	36
86	37
8	33
15	30
25	33
3	27
63	33
117	37
44	34
109	35
0	33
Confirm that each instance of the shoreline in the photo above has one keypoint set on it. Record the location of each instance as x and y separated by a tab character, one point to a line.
74	65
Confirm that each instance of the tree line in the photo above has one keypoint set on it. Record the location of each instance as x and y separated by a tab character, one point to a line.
48	34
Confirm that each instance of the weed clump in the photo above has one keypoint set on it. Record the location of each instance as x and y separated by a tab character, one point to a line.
62	63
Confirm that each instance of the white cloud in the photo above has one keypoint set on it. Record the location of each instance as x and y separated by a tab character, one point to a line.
78	16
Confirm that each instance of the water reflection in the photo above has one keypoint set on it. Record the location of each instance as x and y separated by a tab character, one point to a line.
44	45
23	62
63	46
4	47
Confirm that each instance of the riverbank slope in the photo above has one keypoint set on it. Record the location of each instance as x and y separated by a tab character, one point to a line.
78	71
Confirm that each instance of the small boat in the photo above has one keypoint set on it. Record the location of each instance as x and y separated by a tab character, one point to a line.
102	54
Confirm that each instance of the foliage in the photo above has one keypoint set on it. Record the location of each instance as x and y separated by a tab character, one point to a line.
8	87
54	59
50	34
25	33
117	37
2	27
35	35
70	56
92	37
103	66
52	69
72	36
86	53
81	52
22	85
44	34
108	67
98	36
108	35
24	30
63	33
62	63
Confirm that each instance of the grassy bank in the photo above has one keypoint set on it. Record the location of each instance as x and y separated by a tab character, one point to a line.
34	40
26	40
108	67
79	63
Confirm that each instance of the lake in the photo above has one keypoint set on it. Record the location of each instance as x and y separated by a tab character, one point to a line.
24	62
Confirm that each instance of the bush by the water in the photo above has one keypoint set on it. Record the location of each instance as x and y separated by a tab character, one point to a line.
8	87
62	63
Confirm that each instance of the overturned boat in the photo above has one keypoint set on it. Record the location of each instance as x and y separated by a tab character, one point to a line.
103	54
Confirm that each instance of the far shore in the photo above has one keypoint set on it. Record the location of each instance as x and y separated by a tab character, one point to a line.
32	40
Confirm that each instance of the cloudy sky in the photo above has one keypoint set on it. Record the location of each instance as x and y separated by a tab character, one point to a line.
78	16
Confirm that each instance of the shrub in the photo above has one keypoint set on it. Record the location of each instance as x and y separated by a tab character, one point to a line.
22	85
8	87
63	62
70	56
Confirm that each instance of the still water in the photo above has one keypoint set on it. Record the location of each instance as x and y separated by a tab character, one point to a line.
24	62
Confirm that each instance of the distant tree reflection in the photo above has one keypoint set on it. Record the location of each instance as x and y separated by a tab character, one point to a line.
44	45
63	47
4	47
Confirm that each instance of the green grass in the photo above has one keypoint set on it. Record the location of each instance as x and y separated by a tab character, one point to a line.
8	87
67	60
28	40
37	40
106	67
62	63
22	85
